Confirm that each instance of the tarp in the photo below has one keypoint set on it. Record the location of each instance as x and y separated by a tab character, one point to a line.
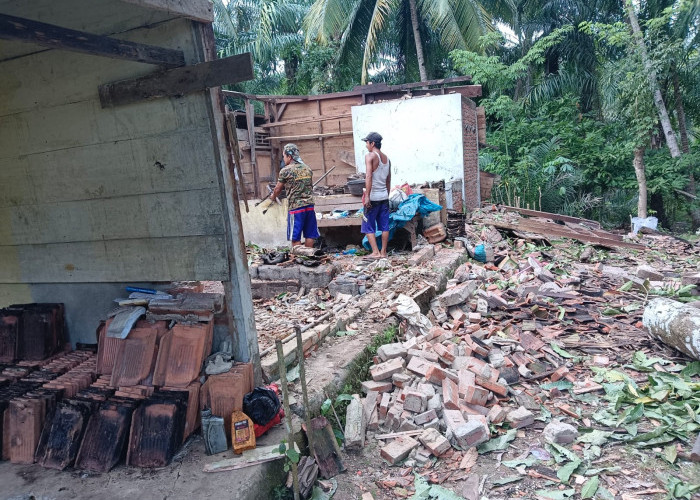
414	204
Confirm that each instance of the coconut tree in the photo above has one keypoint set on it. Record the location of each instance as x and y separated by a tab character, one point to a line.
364	29
269	29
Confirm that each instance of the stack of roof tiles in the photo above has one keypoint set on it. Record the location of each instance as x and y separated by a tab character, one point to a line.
136	399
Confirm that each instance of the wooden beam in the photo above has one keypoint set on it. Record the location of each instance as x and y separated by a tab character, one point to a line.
198	10
310	136
49	35
547	215
369	90
179	81
309	119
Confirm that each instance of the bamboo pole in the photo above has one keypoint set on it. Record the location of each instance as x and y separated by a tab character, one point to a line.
304	392
287	413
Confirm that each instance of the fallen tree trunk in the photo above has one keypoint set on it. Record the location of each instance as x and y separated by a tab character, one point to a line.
675	324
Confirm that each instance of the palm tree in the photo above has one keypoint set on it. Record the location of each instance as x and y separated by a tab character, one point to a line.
269	29
366	29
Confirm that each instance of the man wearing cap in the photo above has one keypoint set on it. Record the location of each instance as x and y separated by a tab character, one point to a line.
377	187
296	178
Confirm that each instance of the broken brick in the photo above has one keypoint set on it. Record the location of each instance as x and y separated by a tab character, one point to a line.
415	401
450	394
434	441
522	417
398	449
385	370
371	385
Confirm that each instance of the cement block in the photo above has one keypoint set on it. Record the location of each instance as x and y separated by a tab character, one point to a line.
316	277
278	273
522	417
459	294
560	433
355	425
422	255
391	351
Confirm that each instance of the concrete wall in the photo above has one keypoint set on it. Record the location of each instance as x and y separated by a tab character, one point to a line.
93	199
266	230
422	137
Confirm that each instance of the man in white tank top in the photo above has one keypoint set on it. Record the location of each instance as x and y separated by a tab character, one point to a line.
377	187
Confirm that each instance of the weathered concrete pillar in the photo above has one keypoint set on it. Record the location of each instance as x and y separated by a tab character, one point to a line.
675	324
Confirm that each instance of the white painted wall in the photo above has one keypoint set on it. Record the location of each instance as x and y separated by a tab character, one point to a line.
422	137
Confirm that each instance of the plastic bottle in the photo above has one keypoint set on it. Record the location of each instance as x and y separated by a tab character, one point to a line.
242	432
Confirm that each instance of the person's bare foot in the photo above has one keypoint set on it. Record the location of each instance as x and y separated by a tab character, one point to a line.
382	256
372	256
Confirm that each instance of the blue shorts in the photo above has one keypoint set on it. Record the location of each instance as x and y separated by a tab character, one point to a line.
302	220
376	218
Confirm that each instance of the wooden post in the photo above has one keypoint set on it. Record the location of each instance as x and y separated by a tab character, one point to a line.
287	411
320	138
236	154
239	299
250	122
302	376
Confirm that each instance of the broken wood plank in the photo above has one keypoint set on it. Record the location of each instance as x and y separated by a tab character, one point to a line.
56	37
178	81
548	215
326	450
393	435
563	232
257	456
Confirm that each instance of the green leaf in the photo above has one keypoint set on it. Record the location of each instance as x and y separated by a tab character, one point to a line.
590	487
499	443
647	436
627	286
691	370
556	494
611	311
282	448
565	472
631	414
527	462
561	352
343	397
670	453
562	385
595	437
507	480
326	406
570	455
293	455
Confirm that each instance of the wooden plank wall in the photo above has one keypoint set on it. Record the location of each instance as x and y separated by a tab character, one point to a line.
104	195
321	154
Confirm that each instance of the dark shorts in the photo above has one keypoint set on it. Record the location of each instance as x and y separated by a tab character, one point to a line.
302	220
376	218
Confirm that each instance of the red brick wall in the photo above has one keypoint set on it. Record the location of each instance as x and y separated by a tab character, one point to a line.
471	155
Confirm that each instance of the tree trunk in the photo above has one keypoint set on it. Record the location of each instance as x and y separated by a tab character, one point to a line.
693	210
680	111
641	181
419	43
653	83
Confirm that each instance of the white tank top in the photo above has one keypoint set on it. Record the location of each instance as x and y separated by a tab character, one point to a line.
379	191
